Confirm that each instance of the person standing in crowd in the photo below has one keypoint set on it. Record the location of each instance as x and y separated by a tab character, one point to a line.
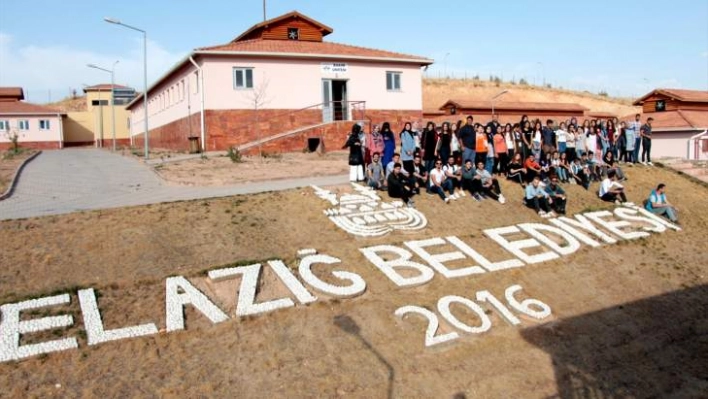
494	124
398	186
537	141
611	190
510	143
490	185
537	198
407	147
500	152
389	143
580	141
455	145
629	143
516	171
637	127
557	195
621	143
481	144
365	155
375	173
375	141
437	179
527	138
491	157
429	140
645	132
356	158
561	138
658	204
468	140
444	142
416	135
570	143
591	143
548	139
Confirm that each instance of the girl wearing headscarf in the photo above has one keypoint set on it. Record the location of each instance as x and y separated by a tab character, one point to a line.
356	157
389	143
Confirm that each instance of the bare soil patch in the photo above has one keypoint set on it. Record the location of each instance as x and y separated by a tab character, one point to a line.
9	163
220	170
628	319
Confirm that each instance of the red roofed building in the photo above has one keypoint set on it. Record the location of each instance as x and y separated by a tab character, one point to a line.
680	126
301	85
511	112
35	126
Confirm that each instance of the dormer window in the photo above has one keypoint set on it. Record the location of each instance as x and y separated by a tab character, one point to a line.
293	33
660	106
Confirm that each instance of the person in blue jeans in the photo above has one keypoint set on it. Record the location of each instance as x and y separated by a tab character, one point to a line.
636	126
658	204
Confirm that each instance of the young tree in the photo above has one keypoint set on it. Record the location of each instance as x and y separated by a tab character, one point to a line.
259	98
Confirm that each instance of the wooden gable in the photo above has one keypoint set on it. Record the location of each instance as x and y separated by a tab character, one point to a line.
660	102
291	26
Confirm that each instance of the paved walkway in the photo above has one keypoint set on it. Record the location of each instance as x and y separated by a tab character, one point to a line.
71	180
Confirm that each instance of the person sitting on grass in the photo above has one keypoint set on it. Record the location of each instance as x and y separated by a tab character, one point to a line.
516	171
375	173
611	164
490	185
611	190
399	186
437	179
532	167
557	195
471	181
454	178
658	204
593	167
578	172
537	198
420	175
394	160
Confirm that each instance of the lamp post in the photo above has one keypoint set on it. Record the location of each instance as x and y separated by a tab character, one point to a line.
112	71
145	91
501	93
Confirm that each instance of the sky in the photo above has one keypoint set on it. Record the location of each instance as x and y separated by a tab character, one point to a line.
623	47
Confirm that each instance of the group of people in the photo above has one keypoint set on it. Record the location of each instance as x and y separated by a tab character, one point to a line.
455	159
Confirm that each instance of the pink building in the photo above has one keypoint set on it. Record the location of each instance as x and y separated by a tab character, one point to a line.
36	126
278	83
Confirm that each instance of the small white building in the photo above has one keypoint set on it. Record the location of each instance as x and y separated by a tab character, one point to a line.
278	78
36	126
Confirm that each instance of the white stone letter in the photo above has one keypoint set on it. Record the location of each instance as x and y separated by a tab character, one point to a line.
425	273
484	262
583	223
631	214
247	291
290	281
536	229
175	302
357	286
515	247
11	328
575	233
614	225
95	332
437	260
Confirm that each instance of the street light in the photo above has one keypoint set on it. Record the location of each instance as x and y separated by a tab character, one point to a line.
501	93
145	91
112	71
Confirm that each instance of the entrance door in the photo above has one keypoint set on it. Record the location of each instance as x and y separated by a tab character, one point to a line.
334	98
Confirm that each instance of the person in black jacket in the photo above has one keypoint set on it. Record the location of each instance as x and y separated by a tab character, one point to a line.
399	186
356	158
429	141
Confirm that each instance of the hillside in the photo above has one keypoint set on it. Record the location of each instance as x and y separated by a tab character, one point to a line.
437	91
70	104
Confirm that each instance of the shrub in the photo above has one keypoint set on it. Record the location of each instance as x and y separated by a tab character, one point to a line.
523	82
602	93
235	155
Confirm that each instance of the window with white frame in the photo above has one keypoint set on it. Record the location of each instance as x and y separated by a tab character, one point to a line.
4	125
393	81
44	124
243	78
23	124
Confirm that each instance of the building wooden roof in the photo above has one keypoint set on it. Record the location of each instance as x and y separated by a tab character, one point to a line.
308	49
23	108
675	120
679	94
11	94
255	29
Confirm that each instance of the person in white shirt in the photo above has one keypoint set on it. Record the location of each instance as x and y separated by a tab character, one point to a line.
561	138
611	190
453	181
437	178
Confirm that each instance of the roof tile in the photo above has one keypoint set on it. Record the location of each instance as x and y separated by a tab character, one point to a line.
21	107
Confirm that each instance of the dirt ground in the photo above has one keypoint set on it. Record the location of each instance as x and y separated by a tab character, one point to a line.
220	170
629	320
8	165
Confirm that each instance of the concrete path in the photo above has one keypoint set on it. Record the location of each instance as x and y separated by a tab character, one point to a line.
71	180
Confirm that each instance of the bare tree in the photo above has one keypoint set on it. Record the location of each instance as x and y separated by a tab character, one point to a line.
258	98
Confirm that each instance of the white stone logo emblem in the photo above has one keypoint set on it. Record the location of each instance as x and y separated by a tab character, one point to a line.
365	214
